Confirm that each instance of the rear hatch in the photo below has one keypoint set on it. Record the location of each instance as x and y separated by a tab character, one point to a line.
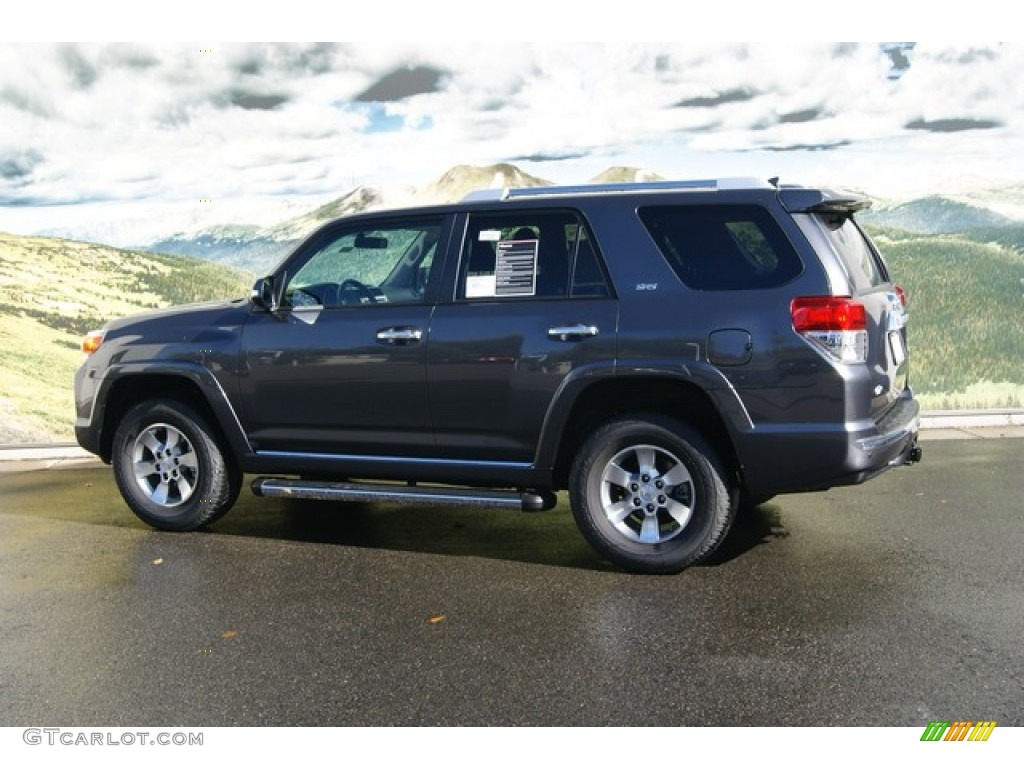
886	308
866	279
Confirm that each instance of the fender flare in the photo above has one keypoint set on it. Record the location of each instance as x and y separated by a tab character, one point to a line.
706	377
213	393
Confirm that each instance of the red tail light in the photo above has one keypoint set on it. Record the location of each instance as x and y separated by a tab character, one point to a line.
837	326
828	313
902	294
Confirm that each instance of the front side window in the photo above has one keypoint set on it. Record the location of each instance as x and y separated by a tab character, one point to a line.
378	263
543	254
723	247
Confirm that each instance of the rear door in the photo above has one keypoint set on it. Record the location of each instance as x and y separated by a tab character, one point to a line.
531	306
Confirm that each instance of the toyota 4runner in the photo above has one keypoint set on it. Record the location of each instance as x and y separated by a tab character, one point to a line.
662	351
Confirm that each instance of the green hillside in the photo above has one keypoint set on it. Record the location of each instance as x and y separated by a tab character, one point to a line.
966	305
54	291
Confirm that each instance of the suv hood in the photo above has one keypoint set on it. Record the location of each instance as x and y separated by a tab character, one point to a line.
215	312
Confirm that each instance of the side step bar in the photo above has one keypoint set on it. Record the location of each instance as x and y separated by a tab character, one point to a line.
527	501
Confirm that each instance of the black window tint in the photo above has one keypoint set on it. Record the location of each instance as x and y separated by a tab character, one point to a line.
863	265
723	247
528	254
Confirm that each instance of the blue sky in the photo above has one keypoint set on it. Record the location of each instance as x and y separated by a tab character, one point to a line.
125	143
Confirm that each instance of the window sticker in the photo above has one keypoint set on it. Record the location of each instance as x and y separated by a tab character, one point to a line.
516	268
479	286
490	235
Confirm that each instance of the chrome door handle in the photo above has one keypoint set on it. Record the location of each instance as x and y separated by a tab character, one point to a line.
572	332
399	335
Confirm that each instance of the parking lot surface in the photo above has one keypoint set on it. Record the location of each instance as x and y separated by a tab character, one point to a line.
893	603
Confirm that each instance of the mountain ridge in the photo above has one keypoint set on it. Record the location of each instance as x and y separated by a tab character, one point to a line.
259	249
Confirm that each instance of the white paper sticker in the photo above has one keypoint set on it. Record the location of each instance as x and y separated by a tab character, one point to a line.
478	286
490	235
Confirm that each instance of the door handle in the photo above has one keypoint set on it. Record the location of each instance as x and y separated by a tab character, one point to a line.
572	332
399	335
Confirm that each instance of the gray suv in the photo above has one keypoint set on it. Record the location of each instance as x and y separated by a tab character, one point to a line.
663	351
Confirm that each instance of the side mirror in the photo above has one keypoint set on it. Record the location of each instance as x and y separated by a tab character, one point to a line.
263	294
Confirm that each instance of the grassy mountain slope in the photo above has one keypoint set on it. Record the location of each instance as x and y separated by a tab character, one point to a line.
54	291
966	301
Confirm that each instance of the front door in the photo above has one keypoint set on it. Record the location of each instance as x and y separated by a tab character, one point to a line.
340	367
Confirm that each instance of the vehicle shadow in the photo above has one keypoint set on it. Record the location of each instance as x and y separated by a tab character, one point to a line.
753	526
547	538
89	495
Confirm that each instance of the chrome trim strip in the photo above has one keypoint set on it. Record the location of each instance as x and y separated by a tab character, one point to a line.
419	461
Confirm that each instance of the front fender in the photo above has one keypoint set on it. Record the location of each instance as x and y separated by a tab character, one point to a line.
135	381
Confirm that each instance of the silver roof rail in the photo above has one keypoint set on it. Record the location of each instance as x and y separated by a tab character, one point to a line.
482	195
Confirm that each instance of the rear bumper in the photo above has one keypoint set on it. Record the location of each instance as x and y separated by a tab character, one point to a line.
896	438
812	457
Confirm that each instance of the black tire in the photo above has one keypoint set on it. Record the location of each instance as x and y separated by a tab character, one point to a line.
170	468
687	502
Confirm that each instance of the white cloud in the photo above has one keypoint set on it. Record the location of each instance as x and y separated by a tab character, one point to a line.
162	124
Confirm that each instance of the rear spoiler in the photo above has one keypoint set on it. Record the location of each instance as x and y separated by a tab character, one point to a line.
803	200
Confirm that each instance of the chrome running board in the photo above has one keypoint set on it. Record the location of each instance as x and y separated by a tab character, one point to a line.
527	501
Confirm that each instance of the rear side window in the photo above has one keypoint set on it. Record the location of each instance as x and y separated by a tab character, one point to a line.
527	254
723	247
863	264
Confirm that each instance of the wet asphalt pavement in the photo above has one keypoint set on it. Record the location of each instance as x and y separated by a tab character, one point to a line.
892	603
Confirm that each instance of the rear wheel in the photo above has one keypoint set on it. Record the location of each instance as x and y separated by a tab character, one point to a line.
170	468
650	495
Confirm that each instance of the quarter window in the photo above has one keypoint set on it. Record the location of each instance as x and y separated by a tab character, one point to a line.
722	247
862	263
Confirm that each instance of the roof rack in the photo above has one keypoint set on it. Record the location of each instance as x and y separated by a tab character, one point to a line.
495	194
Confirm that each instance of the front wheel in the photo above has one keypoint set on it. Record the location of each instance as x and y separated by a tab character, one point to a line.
171	469
650	495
